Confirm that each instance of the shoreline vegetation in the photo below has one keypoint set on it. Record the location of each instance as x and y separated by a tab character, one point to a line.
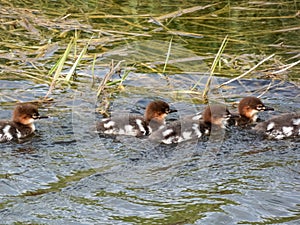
50	47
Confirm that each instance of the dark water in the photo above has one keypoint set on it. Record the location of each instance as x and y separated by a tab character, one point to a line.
65	173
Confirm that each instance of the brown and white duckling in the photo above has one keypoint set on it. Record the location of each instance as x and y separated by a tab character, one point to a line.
213	117
21	124
248	109
279	127
136	125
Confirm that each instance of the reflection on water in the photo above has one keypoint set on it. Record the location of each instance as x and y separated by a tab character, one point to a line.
67	173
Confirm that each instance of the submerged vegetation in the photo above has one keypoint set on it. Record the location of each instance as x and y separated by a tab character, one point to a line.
54	44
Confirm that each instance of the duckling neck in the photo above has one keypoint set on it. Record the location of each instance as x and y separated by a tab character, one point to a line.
155	123
243	121
19	125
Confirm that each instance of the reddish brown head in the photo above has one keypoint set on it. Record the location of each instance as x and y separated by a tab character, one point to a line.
157	110
216	115
250	106
25	113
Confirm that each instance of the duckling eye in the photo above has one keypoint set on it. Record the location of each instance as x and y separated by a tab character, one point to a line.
35	115
260	107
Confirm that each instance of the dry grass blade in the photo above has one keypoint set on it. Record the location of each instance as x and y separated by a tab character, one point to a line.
288	66
178	60
93	70
110	32
266	89
182	12
59	67
213	67
118	16
185	34
168	55
107	76
71	72
247	72
286	29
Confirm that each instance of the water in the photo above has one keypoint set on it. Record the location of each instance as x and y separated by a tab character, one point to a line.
66	173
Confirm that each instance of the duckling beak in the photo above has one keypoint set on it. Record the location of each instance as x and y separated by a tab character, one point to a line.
172	110
43	117
267	108
36	117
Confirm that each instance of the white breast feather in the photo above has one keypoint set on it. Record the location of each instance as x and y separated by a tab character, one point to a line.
6	133
140	126
195	127
296	122
19	135
129	130
270	126
167	132
187	135
288	131
109	124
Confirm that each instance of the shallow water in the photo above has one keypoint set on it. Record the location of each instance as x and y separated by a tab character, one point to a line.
66	173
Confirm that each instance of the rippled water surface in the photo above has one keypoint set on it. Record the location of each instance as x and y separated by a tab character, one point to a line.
66	174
